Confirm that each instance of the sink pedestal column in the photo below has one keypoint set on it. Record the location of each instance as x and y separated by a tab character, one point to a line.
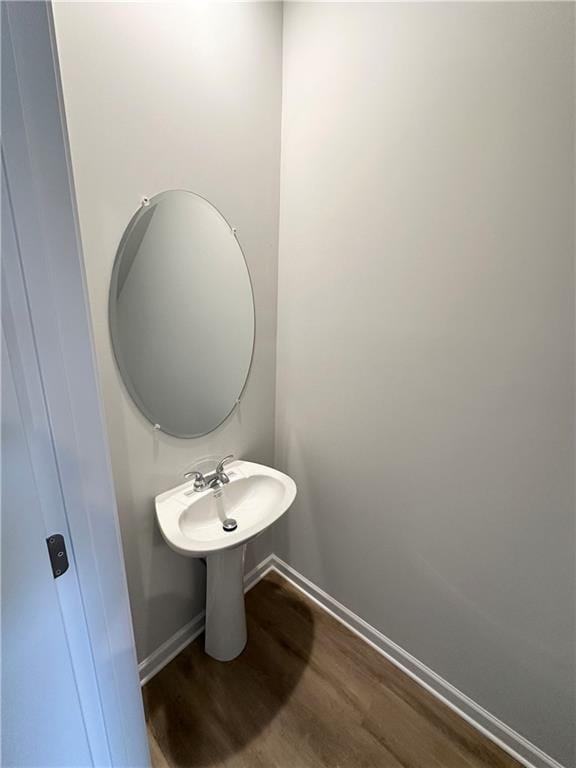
225	614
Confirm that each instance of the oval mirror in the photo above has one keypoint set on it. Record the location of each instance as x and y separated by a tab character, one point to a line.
182	314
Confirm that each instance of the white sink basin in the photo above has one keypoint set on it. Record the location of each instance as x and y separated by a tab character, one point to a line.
191	521
192	524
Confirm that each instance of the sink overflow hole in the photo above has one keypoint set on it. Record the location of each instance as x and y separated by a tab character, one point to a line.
229	524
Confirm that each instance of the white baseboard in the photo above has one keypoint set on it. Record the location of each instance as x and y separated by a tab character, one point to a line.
164	654
516	745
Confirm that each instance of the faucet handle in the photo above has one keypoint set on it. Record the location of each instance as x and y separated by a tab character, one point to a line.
199	481
220	465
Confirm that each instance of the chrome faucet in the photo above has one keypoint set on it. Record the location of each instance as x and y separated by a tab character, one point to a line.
215	479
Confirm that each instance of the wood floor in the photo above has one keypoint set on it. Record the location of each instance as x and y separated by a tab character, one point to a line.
306	693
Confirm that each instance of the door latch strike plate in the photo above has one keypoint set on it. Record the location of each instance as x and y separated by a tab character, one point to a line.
57	553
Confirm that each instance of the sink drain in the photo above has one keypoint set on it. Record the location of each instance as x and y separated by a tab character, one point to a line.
229	524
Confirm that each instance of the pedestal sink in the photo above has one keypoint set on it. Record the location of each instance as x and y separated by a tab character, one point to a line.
192	523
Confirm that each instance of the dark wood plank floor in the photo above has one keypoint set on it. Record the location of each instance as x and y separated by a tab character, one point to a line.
306	693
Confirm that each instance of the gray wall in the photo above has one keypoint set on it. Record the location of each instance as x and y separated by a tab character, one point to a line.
160	96
425	344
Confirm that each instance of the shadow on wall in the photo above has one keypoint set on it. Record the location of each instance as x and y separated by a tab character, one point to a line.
174	597
201	711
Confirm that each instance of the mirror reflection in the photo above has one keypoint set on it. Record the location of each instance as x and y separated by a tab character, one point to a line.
182	314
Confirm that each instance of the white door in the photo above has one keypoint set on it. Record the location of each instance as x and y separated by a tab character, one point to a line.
51	712
70	688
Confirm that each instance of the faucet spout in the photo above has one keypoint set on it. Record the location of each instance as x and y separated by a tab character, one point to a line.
212	480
